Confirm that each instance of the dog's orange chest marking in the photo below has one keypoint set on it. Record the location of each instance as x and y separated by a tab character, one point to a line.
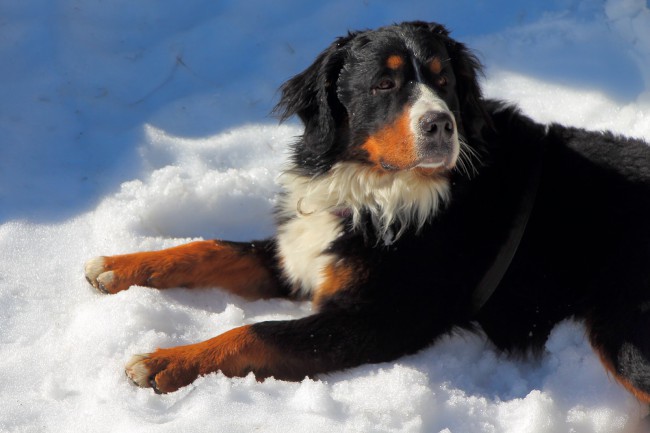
338	276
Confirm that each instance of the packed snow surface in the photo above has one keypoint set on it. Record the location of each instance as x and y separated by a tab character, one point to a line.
137	125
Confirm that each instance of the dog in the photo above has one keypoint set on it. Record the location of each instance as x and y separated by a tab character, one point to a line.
414	206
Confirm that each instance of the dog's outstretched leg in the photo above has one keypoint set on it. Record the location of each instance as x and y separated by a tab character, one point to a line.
620	339
246	269
287	350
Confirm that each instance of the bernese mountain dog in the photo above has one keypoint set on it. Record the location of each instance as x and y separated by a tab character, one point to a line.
414	206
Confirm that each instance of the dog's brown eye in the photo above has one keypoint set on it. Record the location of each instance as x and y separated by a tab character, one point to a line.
441	81
386	84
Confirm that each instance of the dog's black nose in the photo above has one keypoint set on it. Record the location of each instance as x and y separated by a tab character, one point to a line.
437	125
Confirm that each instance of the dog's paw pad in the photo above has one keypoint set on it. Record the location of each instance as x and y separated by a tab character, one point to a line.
138	371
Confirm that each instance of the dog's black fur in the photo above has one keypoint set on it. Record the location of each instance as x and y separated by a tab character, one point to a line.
392	286
585	253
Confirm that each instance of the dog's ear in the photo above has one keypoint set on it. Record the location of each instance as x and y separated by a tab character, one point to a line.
467	69
312	96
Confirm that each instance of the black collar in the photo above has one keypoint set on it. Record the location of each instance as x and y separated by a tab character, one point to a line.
493	276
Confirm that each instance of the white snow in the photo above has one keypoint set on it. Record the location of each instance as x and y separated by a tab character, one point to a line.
134	125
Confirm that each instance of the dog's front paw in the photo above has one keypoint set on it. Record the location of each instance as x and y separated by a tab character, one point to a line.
165	370
112	274
99	276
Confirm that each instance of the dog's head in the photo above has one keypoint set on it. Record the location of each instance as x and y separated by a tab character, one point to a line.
402	97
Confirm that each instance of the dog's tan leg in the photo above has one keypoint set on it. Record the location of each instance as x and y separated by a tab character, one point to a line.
341	336
235	353
246	269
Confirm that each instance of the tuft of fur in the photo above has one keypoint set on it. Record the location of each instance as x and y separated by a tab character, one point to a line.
137	371
404	199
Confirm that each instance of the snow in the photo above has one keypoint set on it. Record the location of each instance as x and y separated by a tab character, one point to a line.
140	125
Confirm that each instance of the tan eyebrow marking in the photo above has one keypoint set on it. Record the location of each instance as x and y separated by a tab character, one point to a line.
395	62
435	65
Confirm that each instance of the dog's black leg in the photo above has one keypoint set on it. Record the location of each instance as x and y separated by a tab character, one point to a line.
621	340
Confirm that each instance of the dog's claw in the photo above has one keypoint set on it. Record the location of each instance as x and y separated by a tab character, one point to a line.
100	287
131	381
154	385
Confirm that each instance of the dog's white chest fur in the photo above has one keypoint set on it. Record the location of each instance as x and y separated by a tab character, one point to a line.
305	237
313	207
302	243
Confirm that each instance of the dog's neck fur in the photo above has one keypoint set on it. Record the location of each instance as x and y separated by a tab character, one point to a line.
314	208
405	198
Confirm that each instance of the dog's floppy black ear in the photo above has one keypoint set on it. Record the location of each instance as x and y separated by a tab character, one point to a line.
312	96
467	69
